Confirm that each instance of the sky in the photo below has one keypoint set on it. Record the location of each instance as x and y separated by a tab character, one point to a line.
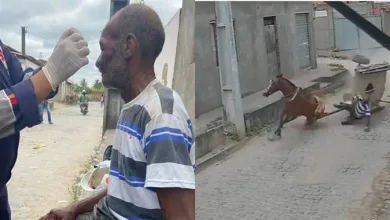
46	20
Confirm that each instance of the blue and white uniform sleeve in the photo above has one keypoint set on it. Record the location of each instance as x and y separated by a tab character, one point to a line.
170	153
18	106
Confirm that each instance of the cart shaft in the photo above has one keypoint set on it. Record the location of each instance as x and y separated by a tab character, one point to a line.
331	113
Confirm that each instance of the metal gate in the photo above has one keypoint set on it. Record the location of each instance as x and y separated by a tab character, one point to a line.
302	30
350	37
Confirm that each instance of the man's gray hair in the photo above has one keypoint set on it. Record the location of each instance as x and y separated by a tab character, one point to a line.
146	25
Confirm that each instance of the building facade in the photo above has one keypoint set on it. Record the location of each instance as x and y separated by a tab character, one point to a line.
165	62
270	37
333	31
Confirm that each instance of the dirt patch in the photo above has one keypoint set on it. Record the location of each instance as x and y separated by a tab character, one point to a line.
50	158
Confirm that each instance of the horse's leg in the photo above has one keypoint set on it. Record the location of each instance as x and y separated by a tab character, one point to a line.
289	118
278	131
309	121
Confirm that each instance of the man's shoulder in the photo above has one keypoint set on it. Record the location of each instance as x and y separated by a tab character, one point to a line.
167	98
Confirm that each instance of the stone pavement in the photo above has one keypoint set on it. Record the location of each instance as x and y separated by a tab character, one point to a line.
50	158
329	172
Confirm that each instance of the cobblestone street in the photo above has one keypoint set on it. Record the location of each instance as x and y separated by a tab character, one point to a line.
50	158
329	172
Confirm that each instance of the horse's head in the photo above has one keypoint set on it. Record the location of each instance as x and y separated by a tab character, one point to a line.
279	83
273	86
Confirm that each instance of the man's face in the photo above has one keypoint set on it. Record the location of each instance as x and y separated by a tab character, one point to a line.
111	62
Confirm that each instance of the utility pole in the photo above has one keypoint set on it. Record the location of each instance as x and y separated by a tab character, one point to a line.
24	31
228	67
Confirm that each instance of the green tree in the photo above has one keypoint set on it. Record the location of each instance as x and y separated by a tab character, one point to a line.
82	85
97	86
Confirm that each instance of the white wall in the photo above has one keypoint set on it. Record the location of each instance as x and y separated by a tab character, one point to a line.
168	53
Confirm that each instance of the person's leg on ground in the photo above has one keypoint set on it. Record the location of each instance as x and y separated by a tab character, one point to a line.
5	211
351	117
47	107
40	107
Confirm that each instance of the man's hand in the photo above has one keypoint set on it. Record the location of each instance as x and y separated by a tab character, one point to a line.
71	212
67	213
69	55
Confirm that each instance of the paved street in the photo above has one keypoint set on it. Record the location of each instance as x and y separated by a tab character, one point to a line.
50	158
330	172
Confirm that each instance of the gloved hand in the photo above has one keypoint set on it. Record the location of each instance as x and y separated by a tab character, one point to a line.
69	55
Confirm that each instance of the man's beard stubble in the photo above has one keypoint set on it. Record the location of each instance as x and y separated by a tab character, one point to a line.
117	73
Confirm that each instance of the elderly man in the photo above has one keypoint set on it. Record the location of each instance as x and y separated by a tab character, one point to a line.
153	155
20	93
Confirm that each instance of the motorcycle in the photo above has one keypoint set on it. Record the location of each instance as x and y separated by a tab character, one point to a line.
84	108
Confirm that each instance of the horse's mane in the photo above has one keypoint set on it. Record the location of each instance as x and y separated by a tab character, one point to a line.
288	81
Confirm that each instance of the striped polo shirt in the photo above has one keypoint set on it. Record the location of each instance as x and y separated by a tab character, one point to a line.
153	148
362	107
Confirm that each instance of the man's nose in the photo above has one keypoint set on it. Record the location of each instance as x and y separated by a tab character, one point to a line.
99	61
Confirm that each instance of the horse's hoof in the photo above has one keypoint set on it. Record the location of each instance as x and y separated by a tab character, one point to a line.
274	137
270	138
307	125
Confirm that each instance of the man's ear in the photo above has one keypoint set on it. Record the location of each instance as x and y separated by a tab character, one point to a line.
130	45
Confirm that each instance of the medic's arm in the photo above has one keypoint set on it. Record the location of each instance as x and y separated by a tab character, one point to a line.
18	104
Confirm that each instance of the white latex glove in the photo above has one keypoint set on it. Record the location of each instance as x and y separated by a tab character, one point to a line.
69	55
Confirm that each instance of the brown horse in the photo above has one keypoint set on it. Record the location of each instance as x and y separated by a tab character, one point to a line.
295	102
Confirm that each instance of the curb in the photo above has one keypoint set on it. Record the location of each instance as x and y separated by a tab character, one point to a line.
219	154
222	152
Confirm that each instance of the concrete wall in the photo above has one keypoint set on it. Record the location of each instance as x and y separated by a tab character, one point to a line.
207	84
251	48
324	26
386	22
184	74
363	8
168	53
